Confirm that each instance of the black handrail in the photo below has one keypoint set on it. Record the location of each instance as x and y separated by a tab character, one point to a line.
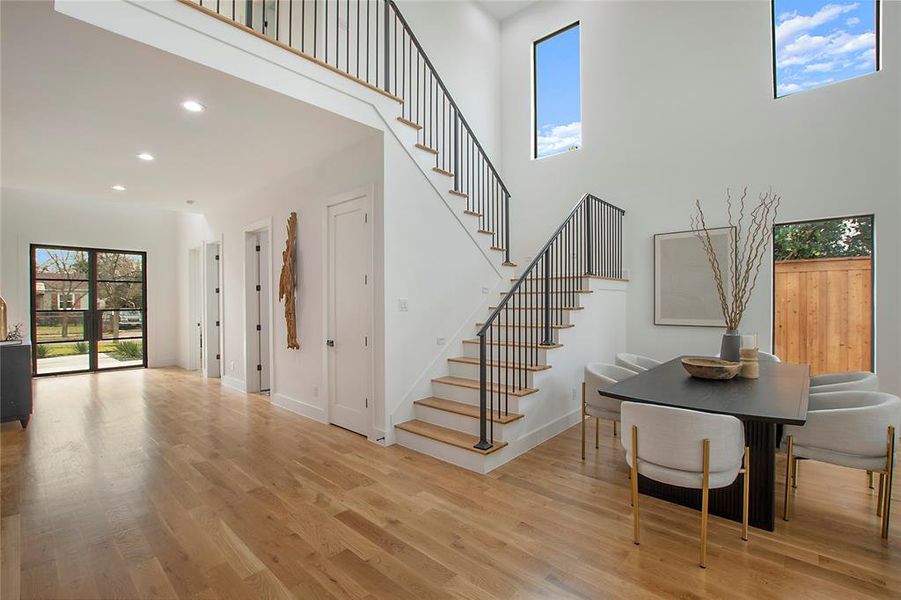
372	42
588	243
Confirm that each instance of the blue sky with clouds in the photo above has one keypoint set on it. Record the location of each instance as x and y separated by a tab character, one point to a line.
818	43
558	104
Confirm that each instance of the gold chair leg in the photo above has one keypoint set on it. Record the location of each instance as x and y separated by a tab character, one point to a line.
889	477
582	420
789	459
597	433
870	479
795	473
880	498
705	496
746	494
635	484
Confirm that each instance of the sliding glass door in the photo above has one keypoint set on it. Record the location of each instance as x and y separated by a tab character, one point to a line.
88	309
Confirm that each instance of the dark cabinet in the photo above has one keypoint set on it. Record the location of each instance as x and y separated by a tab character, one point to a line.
15	382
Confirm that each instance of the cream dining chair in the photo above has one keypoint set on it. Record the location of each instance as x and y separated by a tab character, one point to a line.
635	362
857	429
851	381
595	404
688	449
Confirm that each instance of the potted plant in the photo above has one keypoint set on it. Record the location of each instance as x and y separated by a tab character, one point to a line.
751	232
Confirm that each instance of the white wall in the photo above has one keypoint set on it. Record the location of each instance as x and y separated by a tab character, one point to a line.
297	381
28	217
463	43
677	105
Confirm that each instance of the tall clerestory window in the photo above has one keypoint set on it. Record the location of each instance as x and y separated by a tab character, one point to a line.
820	42
557	93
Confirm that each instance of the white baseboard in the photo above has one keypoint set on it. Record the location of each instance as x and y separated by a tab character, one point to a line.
157	363
234	383
304	409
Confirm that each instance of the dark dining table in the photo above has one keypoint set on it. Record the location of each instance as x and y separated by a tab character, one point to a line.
778	397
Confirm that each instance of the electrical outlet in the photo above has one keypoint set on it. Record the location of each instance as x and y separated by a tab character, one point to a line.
402	305
441	341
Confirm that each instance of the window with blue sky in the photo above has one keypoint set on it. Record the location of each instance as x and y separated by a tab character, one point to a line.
557	94
819	42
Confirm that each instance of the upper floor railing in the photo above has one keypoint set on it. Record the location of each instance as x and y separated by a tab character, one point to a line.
371	42
514	339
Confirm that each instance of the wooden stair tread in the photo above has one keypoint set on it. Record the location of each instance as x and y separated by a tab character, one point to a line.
486	231
427	149
585	276
553	308
508	344
503	325
415	126
553	291
502	249
507	263
474	384
442	171
459	193
467	410
516	365
472	212
448	436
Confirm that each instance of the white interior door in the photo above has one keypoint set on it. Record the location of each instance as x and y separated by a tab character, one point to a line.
349	314
195	310
212	325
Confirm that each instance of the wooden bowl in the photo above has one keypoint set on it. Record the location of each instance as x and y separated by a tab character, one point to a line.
710	368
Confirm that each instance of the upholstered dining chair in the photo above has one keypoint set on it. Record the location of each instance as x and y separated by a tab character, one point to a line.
852	381
856	429
594	404
764	357
685	448
635	362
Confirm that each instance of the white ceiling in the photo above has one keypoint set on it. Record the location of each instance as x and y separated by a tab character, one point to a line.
503	9
79	103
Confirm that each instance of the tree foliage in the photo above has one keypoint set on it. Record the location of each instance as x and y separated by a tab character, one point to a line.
829	238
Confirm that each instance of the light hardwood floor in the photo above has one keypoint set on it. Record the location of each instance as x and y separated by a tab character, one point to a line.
156	483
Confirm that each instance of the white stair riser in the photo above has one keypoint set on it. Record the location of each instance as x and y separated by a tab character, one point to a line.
446	452
471	371
523	316
533	301
471	396
462	423
531	355
521	334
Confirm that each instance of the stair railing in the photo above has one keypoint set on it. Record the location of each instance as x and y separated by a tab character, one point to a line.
370	41
522	326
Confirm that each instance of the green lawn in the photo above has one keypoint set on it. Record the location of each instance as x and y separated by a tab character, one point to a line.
121	350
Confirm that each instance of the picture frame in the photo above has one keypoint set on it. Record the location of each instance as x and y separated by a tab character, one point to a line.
685	291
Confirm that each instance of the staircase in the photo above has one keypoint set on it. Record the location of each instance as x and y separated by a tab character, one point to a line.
501	395
492	405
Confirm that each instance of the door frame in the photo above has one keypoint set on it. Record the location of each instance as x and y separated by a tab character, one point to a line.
872	217
368	193
92	289
264	224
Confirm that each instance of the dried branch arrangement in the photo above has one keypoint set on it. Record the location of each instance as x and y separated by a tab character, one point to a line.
751	233
287	282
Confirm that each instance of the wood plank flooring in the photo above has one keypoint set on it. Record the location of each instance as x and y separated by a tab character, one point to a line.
159	484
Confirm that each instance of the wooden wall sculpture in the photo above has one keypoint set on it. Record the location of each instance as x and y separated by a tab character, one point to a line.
287	282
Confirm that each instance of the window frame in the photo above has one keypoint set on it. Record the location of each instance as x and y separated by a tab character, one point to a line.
877	29
535	43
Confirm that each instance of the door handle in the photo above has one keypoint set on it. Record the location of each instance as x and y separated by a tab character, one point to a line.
330	343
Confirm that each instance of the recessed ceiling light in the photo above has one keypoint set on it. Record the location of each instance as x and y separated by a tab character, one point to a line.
145	156
192	106
119	188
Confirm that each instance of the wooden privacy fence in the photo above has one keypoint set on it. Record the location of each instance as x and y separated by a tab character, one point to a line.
824	313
